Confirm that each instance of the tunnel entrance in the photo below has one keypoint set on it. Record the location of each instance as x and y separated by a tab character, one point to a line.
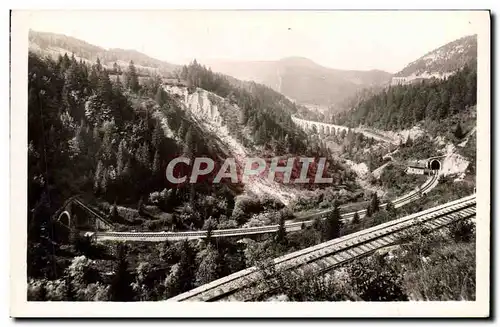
435	165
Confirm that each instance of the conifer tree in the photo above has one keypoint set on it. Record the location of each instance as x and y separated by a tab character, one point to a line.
69	291
317	225
281	234
157	136
98	176
120	158
374	203
160	96
210	267
208	238
140	206
42	292
156	163
106	146
132	81
355	219
104	181
142	155
121	289
114	211
389	207
458	132
369	210
189	144
187	267
333	224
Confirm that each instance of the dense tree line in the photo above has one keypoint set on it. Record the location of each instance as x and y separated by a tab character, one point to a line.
400	107
147	66
92	136
264	111
86	132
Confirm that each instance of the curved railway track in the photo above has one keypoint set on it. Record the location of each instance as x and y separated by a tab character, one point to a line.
247	285
294	226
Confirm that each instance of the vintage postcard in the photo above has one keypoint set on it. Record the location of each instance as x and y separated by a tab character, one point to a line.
273	163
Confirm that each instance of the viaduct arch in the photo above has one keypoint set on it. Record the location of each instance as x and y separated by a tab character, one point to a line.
85	217
331	129
318	127
65	219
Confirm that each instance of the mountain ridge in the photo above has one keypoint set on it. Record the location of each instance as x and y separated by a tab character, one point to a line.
442	61
302	79
54	44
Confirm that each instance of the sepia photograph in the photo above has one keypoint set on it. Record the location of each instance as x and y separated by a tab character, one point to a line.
172	157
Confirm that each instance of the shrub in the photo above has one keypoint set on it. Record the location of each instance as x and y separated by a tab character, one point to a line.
227	224
158	224
374	280
462	230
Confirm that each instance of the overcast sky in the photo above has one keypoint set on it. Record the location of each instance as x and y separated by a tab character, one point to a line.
342	39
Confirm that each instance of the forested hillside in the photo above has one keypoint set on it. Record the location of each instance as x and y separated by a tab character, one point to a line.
445	59
88	135
266	112
109	140
106	138
400	107
52	44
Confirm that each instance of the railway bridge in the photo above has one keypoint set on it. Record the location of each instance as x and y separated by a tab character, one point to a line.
414	195
319	127
74	214
332	129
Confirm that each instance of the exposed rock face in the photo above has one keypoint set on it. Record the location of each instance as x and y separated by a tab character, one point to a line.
441	62
210	111
198	103
454	164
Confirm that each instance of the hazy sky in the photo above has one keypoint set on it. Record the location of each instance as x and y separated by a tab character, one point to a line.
342	39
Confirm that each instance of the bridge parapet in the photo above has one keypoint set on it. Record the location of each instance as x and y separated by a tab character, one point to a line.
67	216
318	127
323	127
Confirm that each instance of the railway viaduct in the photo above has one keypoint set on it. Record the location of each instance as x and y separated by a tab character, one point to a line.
331	129
319	127
76	215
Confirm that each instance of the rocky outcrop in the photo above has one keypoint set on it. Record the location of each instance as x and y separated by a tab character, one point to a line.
454	164
210	111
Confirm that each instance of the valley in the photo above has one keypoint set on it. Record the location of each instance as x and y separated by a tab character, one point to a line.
106	222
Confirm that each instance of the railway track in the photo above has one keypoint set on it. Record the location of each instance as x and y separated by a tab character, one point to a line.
247	285
161	236
290	227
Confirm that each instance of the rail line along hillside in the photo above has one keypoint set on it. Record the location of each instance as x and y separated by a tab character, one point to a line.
429	184
247	284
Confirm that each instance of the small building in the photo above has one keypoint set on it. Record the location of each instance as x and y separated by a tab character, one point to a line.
416	170
417	167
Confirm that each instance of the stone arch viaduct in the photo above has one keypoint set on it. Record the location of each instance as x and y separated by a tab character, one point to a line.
331	129
318	127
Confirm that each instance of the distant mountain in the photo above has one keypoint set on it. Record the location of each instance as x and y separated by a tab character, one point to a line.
448	89
302	79
53	44
441	62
